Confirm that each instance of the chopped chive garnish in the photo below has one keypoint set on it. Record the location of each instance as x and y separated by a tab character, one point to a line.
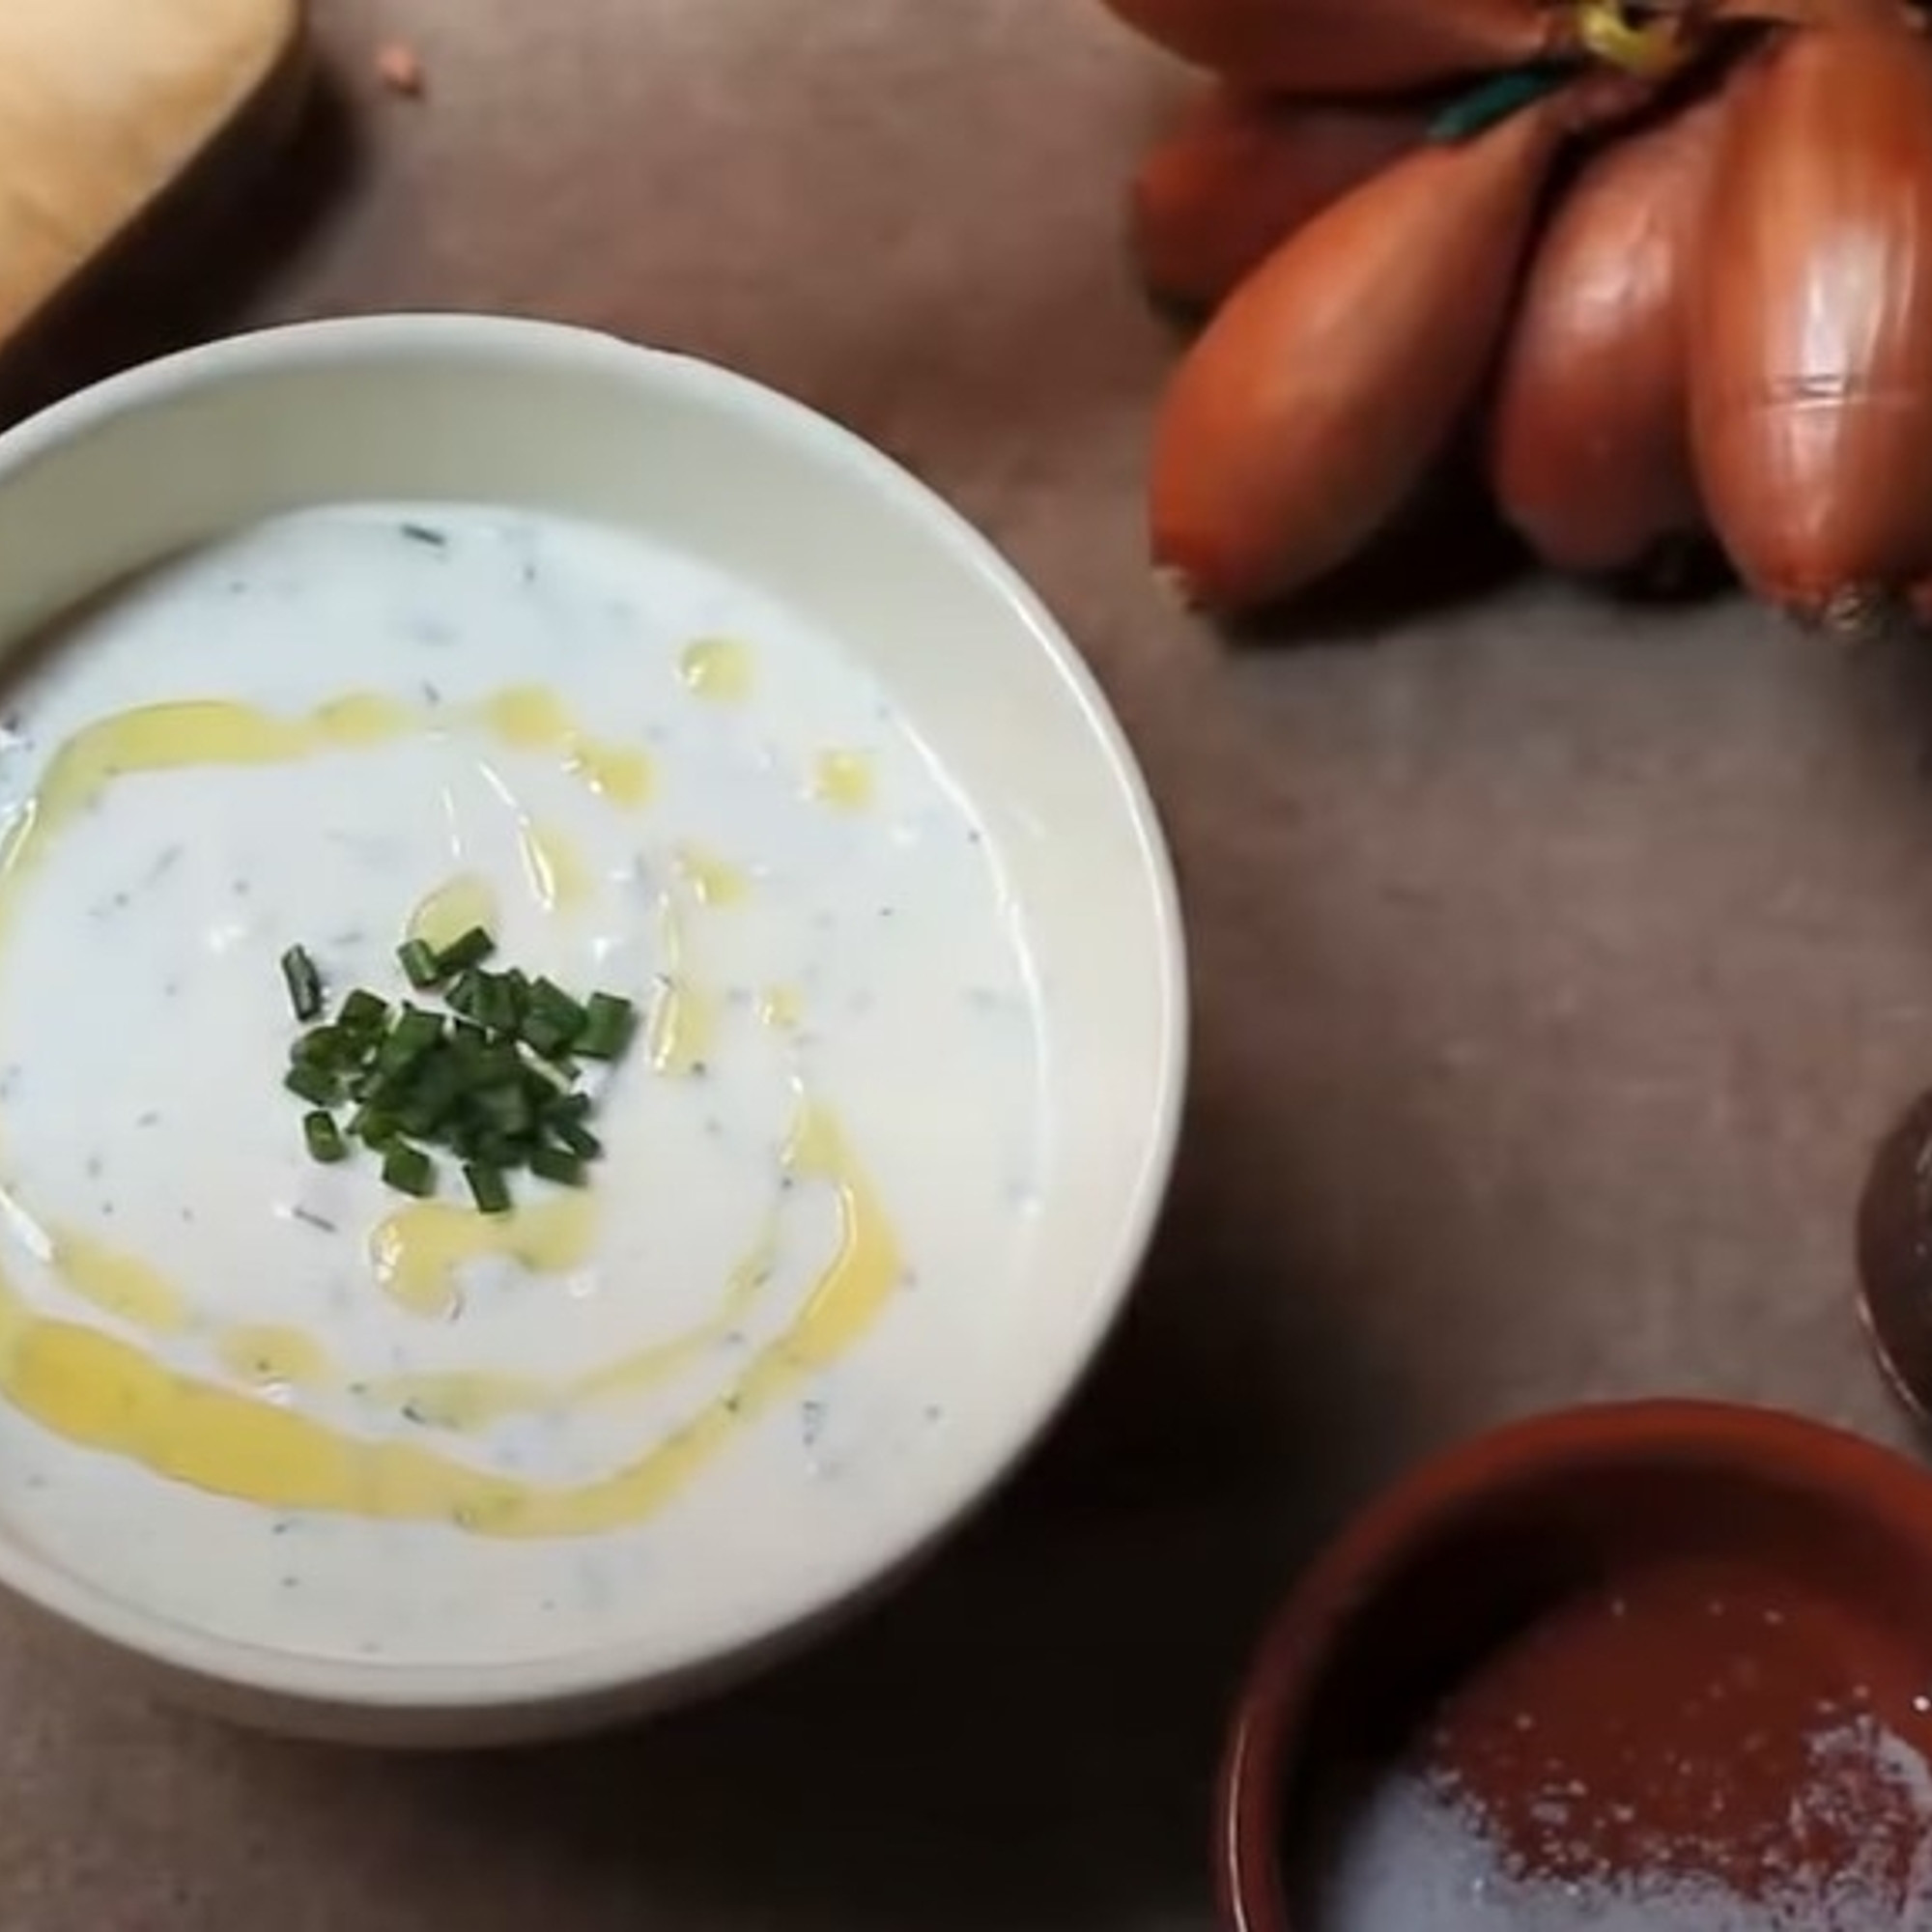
304	983
555	1005
374	1127
490	1081
413	1033
471	949
498	1006
542	1036
487	1188
608	1025
321	1046
419	963
432	1100
362	1013
315	1085
495	1066
507	1109
548	1077
557	1164
581	1141
409	1171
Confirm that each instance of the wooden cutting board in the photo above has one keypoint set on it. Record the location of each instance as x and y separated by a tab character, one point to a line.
105	105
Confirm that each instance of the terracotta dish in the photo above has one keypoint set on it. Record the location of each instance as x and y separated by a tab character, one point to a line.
1629	1650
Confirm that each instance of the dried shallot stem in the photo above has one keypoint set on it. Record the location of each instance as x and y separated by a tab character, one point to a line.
1648	44
1578	103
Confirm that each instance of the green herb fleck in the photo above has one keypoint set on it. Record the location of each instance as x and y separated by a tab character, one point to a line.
608	1026
409	1171
317	1084
470	950
418	960
557	1164
487	1188
304	983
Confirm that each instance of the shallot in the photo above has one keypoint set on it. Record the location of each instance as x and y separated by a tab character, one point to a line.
1589	439
1811	348
1240	173
1320	396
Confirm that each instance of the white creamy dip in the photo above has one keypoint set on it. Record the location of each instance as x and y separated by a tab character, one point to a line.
277	1401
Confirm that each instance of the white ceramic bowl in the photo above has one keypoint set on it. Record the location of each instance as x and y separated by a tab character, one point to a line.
526	415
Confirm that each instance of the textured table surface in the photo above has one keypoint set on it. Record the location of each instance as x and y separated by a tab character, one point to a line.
1556	964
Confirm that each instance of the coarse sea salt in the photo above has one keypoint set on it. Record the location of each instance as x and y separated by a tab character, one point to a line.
1423	1857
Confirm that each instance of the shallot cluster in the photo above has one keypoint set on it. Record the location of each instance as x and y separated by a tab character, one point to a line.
1671	261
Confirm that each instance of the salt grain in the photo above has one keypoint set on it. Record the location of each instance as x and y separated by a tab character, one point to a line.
1423	1858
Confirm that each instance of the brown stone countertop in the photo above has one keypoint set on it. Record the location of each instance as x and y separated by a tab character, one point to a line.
1556	963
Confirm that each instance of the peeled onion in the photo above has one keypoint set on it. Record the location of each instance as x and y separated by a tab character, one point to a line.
1811	367
1348	46
1241	173
1589	440
1312	406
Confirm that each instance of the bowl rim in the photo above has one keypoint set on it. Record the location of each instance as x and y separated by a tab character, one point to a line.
595	1675
1442	1494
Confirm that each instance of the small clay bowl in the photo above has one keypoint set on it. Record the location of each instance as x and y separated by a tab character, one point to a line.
1675	1612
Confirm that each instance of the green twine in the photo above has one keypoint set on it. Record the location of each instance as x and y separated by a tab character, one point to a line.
1482	107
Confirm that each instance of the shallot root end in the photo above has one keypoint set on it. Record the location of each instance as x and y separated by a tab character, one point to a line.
1856	614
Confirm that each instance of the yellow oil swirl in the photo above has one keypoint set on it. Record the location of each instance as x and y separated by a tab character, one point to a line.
94	1389
220	731
173	737
843	780
681	1030
713	881
527	718
780	1009
558	878
99	1390
120	1285
417	1254
717	668
682	1025
426	1245
466	1400
443	916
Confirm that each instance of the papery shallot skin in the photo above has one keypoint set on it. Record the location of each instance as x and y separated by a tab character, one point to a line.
1317	400
1812	365
1589	443
1240	173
